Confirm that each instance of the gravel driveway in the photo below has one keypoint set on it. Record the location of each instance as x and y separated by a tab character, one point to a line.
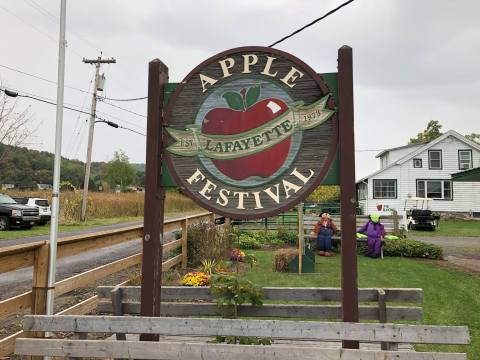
461	251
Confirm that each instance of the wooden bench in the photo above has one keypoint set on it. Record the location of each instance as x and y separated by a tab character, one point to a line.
389	222
198	301
308	332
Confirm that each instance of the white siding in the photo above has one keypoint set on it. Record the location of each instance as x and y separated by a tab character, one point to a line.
397	154
466	195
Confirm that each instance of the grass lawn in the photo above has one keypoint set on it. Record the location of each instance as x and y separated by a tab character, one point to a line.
45	229
454	228
450	297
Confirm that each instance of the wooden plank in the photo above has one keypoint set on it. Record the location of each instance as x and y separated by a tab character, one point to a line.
84	307
184	241
302	311
200	351
7	344
16	261
15	305
80	244
307	330
97	273
186	293
172	245
40	280
172	262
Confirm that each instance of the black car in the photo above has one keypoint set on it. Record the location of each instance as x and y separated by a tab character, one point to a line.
16	215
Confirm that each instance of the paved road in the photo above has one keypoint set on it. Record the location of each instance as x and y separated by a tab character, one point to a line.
461	251
26	240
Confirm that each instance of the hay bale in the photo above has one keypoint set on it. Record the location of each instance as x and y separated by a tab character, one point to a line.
283	257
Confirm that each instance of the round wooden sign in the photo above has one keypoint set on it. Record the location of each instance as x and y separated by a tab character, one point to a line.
250	132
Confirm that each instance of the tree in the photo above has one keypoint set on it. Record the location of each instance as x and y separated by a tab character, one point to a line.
14	125
325	193
473	137
119	171
431	133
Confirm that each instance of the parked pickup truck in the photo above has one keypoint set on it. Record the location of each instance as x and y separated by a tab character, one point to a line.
42	205
16	215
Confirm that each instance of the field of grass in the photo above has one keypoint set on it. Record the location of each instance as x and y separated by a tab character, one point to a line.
104	205
453	228
450	297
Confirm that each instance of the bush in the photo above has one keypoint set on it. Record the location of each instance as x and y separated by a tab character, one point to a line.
407	248
287	236
206	241
412	248
283	257
247	241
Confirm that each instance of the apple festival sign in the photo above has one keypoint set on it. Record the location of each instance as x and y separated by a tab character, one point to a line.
250	132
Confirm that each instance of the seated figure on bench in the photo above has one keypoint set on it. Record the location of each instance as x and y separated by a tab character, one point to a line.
324	230
374	231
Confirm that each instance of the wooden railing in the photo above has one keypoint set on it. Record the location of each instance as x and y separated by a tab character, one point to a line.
36	255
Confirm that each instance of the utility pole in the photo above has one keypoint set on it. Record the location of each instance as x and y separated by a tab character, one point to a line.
62	43
98	81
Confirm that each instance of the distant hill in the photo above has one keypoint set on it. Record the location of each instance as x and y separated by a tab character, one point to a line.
25	168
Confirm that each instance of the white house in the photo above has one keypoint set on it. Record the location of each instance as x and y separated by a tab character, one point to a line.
423	171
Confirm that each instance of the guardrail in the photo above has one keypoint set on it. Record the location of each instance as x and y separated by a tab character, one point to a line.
36	255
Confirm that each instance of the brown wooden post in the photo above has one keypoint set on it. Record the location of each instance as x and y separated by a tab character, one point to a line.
347	190
395	222
154	196
184	243
40	284
211	218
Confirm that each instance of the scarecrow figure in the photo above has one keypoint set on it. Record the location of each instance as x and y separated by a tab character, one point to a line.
324	230
374	230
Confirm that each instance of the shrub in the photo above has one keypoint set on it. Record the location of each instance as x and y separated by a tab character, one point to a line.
412	248
407	248
247	241
283	257
206	241
287	236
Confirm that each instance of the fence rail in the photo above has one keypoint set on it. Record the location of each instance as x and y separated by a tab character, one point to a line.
36	255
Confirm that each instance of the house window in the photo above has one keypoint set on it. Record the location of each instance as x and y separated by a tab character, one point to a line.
417	163
435	159
434	189
385	189
465	159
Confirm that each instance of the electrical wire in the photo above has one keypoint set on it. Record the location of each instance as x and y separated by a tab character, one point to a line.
42	78
311	23
120	108
72	109
37	29
132	99
53	18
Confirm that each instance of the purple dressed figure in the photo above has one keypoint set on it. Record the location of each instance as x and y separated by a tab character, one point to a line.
374	231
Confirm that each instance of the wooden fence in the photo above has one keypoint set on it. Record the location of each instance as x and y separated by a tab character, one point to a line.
36	255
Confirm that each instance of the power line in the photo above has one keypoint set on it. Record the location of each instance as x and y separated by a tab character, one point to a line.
42	78
35	28
16	94
53	18
121	108
311	23
132	99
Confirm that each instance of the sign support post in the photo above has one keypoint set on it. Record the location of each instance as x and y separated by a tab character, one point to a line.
347	192
154	197
301	237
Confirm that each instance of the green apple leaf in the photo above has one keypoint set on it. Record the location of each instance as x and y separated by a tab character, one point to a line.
234	100
253	94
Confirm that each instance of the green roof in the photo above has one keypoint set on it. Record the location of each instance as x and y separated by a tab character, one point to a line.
467	175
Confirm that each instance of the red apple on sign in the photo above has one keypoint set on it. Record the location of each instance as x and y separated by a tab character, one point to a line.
245	114
379	207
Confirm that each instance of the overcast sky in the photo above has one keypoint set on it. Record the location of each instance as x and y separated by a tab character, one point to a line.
413	60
